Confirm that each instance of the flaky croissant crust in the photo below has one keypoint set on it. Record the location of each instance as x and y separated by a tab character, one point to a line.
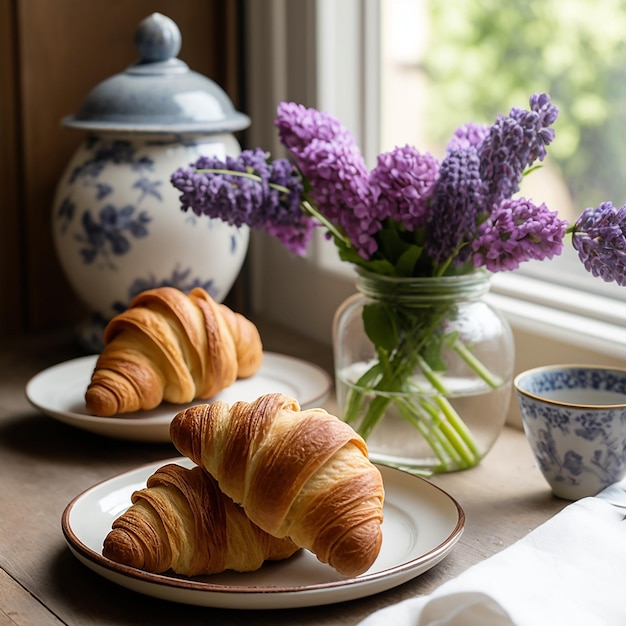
171	346
181	521
302	474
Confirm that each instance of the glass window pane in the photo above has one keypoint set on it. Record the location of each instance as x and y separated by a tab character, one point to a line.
444	64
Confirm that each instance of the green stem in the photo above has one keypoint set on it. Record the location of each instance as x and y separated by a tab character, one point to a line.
356	395
312	211
389	381
255	177
455	432
461	433
374	414
425	414
461	349
307	207
430	375
441	426
462	436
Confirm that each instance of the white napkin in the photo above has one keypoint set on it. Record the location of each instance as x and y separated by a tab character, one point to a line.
571	570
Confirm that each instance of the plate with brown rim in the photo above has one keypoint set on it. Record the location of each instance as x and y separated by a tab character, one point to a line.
422	524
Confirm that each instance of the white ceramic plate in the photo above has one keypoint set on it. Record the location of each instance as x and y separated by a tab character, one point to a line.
422	523
59	392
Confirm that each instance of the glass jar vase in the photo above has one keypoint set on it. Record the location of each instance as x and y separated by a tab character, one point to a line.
424	369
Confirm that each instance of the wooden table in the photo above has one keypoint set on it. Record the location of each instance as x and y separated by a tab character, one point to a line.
44	464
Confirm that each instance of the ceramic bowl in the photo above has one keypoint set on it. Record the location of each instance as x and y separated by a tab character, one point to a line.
574	417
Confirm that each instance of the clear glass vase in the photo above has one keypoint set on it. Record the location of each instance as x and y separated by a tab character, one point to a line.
424	369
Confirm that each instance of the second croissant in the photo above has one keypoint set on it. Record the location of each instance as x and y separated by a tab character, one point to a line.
181	521
171	346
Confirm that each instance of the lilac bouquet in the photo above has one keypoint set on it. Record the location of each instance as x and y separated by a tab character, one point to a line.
410	216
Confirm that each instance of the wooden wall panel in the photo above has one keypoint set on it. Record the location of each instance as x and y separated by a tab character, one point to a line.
61	50
11	261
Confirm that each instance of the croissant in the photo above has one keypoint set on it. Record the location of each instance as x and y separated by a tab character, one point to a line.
183	522
299	474
171	346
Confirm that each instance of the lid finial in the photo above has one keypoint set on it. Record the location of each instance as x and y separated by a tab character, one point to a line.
157	39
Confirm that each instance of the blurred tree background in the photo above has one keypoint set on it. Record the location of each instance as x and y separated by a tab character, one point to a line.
484	56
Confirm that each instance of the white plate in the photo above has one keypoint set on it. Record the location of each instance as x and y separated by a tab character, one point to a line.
59	392
421	525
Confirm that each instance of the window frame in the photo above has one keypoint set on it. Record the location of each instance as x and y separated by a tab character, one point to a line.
303	293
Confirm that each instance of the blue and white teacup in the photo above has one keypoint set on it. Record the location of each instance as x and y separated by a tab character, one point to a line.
574	417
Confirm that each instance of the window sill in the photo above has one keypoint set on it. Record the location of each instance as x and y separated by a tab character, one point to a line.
589	322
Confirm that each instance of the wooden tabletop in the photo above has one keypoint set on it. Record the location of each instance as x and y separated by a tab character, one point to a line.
45	463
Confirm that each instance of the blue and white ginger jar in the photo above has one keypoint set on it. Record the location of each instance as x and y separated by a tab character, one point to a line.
117	224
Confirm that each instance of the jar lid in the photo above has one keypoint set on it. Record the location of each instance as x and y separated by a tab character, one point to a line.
158	93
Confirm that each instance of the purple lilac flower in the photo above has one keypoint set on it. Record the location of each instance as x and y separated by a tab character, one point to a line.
214	196
455	205
599	237
512	144
329	158
517	231
537	121
272	197
339	187
358	219
468	135
295	238
336	173
298	126
285	207
401	184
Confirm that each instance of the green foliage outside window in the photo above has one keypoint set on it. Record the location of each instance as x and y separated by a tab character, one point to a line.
485	56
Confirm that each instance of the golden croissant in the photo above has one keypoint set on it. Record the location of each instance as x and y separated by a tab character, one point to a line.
171	346
297	473
181	521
